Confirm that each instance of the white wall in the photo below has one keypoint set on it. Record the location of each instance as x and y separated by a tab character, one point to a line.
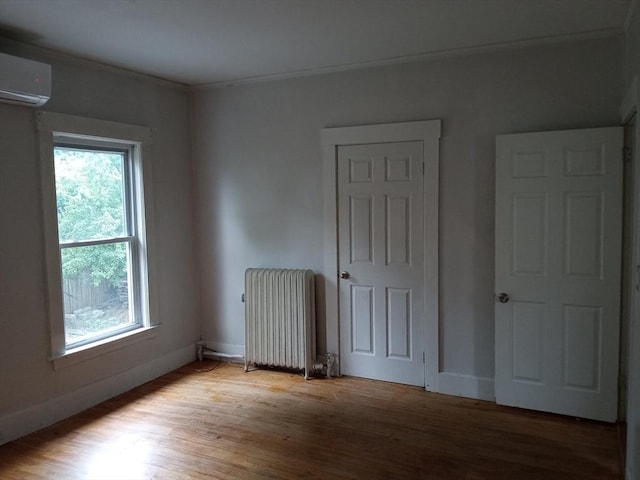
32	393
259	169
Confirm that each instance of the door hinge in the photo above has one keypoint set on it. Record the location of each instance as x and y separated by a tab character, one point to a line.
626	154
423	357
423	169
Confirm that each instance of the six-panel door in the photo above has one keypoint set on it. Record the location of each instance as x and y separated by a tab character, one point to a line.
558	241
380	205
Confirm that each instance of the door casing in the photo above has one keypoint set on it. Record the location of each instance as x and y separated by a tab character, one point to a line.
428	132
630	106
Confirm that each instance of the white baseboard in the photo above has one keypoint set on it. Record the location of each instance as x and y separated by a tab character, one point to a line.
480	388
20	423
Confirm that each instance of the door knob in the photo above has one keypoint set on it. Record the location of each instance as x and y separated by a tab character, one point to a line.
344	275
503	297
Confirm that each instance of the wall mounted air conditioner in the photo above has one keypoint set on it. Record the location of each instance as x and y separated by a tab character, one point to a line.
23	81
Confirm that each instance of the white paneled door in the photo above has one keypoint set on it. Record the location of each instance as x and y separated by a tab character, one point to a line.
380	236
558	246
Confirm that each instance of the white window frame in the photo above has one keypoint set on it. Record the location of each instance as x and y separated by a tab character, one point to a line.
59	128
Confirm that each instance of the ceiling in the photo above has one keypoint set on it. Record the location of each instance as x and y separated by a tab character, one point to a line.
199	42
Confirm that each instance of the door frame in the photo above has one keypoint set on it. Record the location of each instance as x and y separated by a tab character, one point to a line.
428	132
630	106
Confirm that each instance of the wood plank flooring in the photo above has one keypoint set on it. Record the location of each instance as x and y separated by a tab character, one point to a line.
209	420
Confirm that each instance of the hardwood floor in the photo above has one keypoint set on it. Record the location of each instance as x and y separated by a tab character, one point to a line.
210	420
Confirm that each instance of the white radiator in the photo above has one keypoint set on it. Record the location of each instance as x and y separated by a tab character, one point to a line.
280	321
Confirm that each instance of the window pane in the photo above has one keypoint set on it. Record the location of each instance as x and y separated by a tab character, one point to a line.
95	284
89	194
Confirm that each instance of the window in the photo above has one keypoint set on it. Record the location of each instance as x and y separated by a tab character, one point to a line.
95	203
96	198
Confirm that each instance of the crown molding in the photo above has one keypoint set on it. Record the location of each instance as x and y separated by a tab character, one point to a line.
462	51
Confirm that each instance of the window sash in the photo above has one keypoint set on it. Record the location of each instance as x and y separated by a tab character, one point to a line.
100	241
133	293
129	211
129	172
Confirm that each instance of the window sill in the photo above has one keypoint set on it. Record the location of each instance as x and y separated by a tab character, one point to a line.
102	347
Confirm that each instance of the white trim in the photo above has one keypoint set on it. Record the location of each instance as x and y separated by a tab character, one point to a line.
53	270
469	386
104	346
428	132
421	57
92	128
147	235
17	424
631	105
630	102
58	125
431	261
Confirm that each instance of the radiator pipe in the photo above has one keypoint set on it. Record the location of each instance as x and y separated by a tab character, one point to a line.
202	350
